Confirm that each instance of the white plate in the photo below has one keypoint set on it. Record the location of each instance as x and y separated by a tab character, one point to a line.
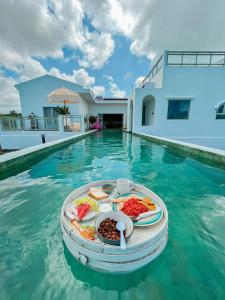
71	213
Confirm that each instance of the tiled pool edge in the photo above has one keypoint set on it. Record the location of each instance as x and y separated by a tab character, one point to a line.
206	154
14	160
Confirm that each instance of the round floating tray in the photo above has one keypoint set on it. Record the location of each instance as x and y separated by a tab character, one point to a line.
145	244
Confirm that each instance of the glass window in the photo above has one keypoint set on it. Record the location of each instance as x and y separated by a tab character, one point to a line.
50	112
178	109
220	113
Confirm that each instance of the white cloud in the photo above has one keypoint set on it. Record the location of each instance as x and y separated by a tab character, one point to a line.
79	76
9	96
115	91
31	68
156	25
128	75
110	78
99	90
108	15
97	49
113	88
40	29
139	81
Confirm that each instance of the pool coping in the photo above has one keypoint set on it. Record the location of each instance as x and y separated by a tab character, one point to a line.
12	160
208	155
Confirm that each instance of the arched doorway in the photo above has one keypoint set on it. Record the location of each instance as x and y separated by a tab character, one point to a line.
131	116
148	109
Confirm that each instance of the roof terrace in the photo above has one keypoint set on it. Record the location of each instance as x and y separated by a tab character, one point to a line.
186	58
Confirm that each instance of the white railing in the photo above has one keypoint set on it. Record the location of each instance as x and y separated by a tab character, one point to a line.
69	123
187	58
195	58
156	68
72	123
29	123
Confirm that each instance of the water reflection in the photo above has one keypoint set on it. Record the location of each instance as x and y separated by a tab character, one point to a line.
104	281
172	158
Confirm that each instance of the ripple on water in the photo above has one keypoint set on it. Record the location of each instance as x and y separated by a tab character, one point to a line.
35	264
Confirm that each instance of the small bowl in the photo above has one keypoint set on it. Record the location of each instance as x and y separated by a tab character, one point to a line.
108	188
117	216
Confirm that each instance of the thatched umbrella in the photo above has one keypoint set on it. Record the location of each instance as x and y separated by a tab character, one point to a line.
64	96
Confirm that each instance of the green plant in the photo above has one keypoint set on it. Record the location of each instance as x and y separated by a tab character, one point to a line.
92	119
64	110
14	113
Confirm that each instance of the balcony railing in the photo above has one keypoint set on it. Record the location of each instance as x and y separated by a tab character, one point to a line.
72	123
187	58
156	68
29	123
196	58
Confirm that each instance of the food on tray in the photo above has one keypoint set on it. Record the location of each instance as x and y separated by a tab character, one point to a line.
82	210
87	232
97	193
148	202
124	199
107	229
134	207
93	204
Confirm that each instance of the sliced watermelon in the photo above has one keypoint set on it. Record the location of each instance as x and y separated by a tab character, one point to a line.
82	210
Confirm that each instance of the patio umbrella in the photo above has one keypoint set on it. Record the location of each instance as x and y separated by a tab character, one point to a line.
64	96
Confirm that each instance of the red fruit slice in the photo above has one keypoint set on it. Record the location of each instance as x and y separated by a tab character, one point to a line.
82	210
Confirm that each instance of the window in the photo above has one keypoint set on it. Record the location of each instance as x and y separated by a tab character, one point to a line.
220	113
178	109
50	112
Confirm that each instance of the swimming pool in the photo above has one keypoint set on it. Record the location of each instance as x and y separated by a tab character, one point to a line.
35	264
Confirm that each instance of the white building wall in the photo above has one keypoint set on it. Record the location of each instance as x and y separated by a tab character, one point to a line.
34	93
117	108
205	86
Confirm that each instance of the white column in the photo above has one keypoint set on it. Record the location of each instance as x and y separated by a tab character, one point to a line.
61	123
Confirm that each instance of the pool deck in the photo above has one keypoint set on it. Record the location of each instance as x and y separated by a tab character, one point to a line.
208	155
13	162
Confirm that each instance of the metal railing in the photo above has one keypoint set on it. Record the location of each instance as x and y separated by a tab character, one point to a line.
72	123
29	124
156	68
187	58
195	58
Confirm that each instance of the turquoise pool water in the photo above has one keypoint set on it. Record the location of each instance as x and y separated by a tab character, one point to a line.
34	263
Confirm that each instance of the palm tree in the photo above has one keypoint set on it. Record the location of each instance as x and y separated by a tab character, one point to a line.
63	111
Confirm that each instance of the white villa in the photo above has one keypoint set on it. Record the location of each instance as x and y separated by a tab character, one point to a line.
41	118
183	98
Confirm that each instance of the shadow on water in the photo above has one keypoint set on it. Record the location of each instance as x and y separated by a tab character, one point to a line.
105	281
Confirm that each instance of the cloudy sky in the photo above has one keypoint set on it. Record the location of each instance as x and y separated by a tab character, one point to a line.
103	44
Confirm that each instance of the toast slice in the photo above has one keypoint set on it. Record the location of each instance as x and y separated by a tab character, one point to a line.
97	193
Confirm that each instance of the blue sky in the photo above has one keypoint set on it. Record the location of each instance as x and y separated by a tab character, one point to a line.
106	45
123	66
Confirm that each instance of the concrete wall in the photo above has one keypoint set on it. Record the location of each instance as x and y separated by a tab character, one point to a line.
23	139
205	86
